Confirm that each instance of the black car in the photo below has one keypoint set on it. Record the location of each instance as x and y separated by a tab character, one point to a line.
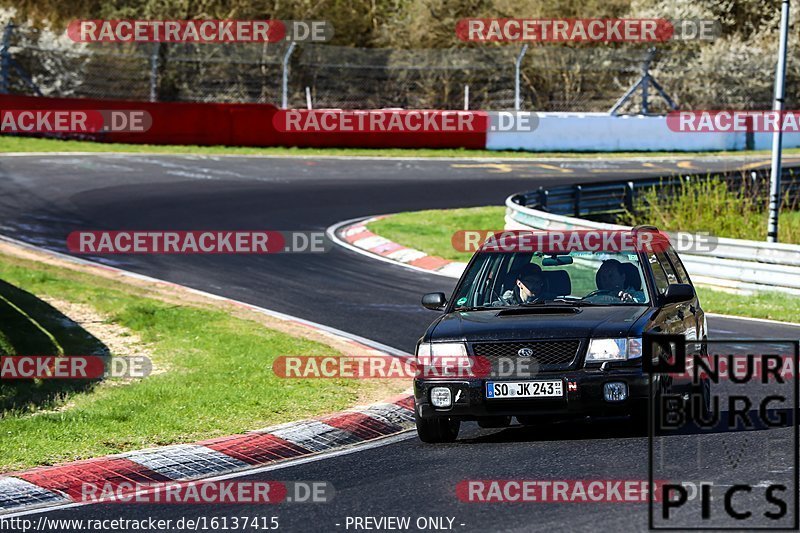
575	319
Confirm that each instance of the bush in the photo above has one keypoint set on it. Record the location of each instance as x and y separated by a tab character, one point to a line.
711	205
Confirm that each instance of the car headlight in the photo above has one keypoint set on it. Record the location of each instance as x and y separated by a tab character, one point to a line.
442	349
614	349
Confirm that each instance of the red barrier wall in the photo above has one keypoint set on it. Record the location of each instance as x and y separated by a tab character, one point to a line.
233	125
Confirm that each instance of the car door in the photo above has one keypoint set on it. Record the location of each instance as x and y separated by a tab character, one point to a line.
667	319
670	316
694	318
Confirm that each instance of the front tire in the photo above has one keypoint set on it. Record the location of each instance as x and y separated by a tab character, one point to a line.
437	429
700	400
640	416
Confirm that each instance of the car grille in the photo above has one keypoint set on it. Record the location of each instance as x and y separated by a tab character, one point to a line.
547	355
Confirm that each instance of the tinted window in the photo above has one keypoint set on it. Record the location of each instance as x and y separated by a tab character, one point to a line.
658	274
493	279
683	276
671	276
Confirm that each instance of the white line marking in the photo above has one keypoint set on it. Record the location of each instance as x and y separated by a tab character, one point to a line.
450	273
484	159
185	461
764	320
331	233
275	314
399	437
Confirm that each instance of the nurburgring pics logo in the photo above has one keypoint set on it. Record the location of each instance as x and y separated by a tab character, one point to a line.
742	396
585	30
74	120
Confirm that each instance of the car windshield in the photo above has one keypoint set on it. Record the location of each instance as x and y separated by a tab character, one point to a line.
498	279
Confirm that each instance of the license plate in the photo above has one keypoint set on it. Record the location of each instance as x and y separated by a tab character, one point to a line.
524	389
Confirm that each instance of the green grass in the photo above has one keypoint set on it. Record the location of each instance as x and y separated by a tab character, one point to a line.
216	378
31	326
10	143
771	305
431	232
709	205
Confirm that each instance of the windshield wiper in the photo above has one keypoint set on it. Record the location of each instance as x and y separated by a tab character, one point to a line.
476	308
577	302
533	304
538	303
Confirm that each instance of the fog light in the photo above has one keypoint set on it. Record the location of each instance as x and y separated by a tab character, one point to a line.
616	391
441	397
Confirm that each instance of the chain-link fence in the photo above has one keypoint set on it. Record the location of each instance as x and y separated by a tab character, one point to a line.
551	77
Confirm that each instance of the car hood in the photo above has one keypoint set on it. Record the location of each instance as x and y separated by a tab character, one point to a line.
600	321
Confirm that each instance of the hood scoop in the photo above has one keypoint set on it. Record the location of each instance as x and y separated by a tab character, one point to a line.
551	310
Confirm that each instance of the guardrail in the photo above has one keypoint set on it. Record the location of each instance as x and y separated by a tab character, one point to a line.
617	197
732	263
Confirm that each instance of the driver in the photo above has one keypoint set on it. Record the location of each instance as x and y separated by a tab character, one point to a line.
611	278
529	287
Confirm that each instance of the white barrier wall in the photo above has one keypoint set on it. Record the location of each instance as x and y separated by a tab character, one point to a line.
601	132
742	265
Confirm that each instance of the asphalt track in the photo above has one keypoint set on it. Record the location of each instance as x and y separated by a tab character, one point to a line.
44	197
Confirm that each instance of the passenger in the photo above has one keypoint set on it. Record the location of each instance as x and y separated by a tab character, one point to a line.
611	278
530	287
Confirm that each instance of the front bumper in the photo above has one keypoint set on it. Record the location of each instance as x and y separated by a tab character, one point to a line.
583	396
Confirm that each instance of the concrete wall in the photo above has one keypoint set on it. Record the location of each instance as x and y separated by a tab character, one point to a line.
601	132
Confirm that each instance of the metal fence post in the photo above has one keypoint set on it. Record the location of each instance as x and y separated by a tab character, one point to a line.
154	72
517	68
629	196
285	80
577	201
5	59
777	135
645	80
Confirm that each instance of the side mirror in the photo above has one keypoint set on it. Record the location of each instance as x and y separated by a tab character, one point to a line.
679	292
435	301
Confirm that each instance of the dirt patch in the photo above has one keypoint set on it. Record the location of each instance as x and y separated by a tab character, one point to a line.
122	342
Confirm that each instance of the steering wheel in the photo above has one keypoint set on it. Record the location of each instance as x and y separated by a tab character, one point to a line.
600	292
